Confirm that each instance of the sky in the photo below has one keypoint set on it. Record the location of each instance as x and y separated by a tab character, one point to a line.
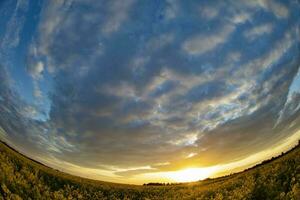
136	91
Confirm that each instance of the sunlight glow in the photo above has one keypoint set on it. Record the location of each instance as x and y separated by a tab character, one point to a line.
184	175
190	174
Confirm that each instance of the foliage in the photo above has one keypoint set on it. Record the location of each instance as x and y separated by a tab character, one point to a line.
22	178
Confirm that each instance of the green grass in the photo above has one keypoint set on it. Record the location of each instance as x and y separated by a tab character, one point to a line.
23	178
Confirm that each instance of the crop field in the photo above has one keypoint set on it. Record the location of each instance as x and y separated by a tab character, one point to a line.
23	178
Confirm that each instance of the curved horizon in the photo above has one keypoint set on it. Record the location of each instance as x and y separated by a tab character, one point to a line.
160	91
268	155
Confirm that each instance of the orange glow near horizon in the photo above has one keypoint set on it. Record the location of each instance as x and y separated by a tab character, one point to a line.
189	174
200	173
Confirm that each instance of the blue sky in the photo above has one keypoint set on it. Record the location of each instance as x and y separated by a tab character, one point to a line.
120	85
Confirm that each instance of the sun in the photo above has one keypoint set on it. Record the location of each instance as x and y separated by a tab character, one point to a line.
191	174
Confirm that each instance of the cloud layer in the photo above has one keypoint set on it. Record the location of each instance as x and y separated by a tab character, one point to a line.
138	87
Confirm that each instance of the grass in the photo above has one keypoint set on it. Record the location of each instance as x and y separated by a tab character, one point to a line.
23	178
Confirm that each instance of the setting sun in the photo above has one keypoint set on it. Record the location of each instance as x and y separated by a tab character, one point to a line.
191	174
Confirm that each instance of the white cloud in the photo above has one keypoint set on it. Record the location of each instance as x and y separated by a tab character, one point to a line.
172	9
245	81
15	25
191	155
203	43
209	12
265	61
278	9
36	70
248	73
30	111
37	93
54	143
292	103
187	140
52	15
61	19
160	41
258	31
242	17
122	90
233	57
118	14
139	61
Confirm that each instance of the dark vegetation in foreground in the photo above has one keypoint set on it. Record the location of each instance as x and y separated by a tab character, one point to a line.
23	178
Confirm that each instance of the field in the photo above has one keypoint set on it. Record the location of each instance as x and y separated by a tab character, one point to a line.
22	178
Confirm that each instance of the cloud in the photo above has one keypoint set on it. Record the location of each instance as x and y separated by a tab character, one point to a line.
15	25
55	144
30	111
118	12
258	31
292	104
239	18
37	70
172	9
209	12
271	57
178	87
159	42
203	43
13	118
290	108
277	8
